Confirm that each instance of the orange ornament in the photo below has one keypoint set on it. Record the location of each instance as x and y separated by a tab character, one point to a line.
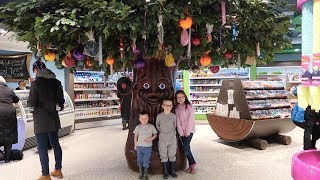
88	63
205	60
110	60
186	23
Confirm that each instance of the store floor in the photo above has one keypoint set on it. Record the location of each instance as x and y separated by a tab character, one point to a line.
98	153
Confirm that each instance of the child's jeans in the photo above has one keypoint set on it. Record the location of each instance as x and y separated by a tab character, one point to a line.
144	155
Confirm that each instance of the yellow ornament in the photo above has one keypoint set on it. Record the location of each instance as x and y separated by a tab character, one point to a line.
169	60
50	56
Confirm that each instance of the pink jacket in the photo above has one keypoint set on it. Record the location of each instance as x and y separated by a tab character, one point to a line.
185	120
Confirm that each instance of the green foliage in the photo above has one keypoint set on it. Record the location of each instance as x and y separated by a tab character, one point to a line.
65	23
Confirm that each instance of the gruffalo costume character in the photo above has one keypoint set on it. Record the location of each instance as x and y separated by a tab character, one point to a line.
151	84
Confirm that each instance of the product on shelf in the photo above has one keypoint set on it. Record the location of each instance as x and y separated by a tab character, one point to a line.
267	99
95	97
205	87
294	77
87	77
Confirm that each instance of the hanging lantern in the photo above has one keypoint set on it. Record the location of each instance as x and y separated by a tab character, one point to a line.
50	55
186	23
228	55
110	60
205	60
169	60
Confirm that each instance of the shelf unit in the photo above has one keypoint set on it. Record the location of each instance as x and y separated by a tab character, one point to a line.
259	116
290	76
266	100
95	97
204	86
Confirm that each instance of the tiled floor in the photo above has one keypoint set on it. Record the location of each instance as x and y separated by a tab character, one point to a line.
98	153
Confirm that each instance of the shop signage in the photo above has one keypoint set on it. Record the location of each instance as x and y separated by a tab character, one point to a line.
15	67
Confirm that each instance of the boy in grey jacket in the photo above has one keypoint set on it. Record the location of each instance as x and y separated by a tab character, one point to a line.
166	125
144	134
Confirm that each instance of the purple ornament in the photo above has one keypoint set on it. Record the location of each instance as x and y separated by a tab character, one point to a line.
78	53
139	63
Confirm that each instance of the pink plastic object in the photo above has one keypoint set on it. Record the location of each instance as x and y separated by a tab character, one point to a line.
306	165
300	3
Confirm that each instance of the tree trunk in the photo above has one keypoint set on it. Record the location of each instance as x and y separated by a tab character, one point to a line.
153	74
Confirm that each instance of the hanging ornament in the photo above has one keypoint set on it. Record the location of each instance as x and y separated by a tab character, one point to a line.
39	54
250	60
258	49
214	69
68	60
139	63
169	60
186	22
189	45
205	60
234	31
88	63
196	40
50	55
91	48
209	31
121	48
223	12
228	55
110	60
78	52
184	39
160	31
135	50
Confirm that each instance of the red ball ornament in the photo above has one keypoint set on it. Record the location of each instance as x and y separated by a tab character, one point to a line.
196	41
227	55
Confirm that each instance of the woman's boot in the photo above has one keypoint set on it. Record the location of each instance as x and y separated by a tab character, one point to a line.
7	153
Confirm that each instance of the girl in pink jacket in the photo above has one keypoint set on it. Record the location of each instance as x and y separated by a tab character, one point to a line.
185	126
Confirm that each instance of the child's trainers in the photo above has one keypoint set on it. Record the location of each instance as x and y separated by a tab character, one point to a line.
193	168
188	170
57	173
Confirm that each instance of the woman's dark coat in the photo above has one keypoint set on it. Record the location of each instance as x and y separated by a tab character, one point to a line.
45	94
8	117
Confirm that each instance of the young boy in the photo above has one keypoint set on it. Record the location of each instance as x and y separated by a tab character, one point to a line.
166	125
144	134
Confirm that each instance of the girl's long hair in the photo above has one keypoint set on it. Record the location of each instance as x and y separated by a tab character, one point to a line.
186	100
